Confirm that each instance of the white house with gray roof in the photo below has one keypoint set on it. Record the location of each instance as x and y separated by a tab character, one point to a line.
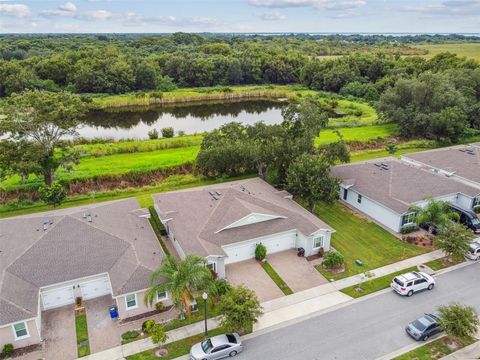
385	189
223	223
47	260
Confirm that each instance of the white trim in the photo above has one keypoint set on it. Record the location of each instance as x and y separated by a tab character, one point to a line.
164	298
214	263
19	321
17	338
126	302
258	239
267	217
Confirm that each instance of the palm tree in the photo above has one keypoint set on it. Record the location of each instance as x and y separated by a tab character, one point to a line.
435	213
181	278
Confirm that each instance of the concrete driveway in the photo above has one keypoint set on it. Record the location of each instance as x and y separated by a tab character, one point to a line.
252	275
296	271
58	329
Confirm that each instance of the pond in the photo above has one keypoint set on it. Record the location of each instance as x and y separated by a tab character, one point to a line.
137	122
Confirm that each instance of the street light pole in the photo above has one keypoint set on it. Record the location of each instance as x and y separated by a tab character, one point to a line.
205	297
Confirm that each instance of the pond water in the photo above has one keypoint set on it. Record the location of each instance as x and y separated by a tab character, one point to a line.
136	123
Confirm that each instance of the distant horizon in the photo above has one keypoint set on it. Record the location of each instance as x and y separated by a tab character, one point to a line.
477	34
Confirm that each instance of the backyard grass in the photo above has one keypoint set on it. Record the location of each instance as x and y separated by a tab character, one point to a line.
359	238
374	285
276	278
362	133
177	348
434	350
83	349
469	50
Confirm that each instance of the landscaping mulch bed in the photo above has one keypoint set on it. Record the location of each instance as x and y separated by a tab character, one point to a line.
144	315
24	350
424	241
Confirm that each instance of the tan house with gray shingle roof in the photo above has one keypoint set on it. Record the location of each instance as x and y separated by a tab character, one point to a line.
47	260
224	222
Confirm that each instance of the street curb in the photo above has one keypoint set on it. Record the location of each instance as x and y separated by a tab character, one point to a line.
410	347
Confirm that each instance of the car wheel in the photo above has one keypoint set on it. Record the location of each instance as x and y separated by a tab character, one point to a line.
232	354
410	293
430	287
425	338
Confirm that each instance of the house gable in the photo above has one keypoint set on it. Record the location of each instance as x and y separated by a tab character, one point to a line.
252	218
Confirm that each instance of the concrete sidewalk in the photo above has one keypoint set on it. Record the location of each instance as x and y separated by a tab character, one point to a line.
313	300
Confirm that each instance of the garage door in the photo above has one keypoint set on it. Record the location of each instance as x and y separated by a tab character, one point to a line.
57	297
95	288
247	251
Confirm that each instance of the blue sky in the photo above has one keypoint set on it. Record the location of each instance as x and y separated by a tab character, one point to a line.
240	16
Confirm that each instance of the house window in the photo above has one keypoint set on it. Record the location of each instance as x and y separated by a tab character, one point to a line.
21	331
359	199
131	301
212	266
345	194
409	218
162	296
318	242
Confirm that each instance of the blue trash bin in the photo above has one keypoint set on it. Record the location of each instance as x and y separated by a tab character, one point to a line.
113	311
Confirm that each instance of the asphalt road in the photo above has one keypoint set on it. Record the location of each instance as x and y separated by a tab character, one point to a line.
367	329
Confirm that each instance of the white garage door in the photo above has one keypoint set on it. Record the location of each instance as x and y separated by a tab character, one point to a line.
57	297
247	251
95	288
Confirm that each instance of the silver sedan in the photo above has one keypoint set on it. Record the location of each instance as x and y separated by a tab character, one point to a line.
217	347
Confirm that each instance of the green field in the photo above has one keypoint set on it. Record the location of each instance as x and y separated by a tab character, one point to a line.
469	50
356	237
362	133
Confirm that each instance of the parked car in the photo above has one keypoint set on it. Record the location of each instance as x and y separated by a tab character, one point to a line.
468	218
217	347
474	253
409	283
425	327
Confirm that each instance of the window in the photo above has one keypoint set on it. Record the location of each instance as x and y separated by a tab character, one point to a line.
21	331
212	266
345	194
359	199
318	242
131	301
420	281
162	296
220	348
409	218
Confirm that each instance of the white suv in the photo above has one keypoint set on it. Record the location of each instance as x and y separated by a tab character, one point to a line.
409	283
474	253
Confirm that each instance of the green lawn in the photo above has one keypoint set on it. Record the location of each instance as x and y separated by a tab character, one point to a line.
359	238
431	351
82	335
276	278
374	285
443	263
177	348
362	133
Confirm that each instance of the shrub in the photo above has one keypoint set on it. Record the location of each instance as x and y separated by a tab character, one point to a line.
159	306
7	350
260	252
147	326
408	229
181	133
153	134
53	195
168	132
158	334
333	260
129	335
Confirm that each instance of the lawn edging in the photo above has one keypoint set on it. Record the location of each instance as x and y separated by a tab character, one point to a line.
276	278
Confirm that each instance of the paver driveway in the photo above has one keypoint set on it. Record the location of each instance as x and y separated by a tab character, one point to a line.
103	332
252	275
296	271
59	333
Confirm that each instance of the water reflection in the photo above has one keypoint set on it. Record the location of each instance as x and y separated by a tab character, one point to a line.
197	118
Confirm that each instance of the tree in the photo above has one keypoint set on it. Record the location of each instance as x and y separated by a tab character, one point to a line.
183	279
436	213
44	119
240	308
309	177
53	195
454	239
459	321
391	147
158	333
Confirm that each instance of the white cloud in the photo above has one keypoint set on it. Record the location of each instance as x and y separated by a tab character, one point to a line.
135	18
69	6
271	16
449	7
316	4
132	18
17	10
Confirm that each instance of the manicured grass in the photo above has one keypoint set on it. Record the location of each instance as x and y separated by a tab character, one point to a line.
469	50
374	285
82	335
276	278
359	238
443	263
212	311
362	133
432	351
365	155
177	348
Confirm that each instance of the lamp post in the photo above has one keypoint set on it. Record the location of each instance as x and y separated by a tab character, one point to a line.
205	297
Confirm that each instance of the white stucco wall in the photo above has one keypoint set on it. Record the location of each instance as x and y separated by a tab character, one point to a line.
7	335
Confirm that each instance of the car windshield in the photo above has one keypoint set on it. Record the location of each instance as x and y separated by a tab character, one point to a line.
398	281
231	338
207	346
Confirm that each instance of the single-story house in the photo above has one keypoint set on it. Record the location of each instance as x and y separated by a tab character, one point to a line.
385	189
223	223
461	163
48	260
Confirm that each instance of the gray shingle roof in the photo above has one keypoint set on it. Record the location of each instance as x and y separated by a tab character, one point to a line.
196	218
117	241
400	186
